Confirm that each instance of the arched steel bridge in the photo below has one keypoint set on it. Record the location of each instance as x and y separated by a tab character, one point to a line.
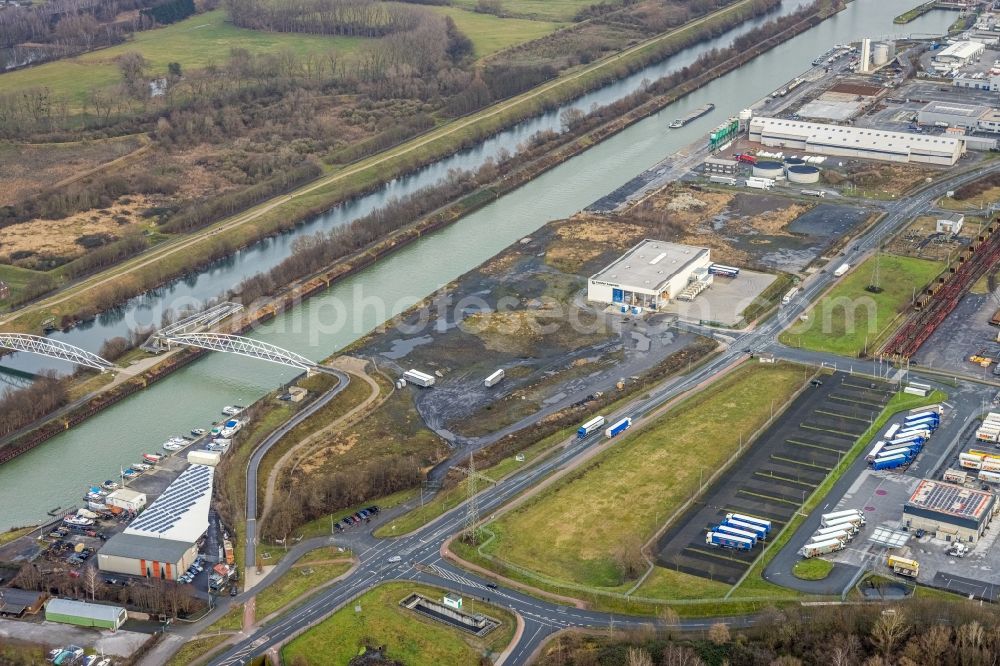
235	344
36	344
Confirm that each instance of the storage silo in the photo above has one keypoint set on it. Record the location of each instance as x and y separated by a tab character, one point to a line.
803	174
793	161
768	169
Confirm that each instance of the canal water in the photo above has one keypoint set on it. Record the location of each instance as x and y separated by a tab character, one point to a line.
193	396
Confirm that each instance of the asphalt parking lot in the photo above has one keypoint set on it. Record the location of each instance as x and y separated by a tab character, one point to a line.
781	469
725	300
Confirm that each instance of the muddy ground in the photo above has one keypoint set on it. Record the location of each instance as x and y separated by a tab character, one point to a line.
759	231
964	332
523	312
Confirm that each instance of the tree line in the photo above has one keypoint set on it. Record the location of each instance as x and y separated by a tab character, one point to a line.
315	496
349	18
22	407
918	633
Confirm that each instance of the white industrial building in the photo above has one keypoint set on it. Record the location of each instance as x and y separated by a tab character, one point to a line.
951	223
859	142
952	114
650	274
163	541
958	54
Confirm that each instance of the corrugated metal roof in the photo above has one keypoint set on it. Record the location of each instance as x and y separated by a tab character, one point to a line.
181	512
84	609
140	547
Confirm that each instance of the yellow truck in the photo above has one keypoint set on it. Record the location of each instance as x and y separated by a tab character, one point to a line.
904	566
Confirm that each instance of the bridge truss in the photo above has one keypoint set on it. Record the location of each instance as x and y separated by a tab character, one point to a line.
236	344
36	344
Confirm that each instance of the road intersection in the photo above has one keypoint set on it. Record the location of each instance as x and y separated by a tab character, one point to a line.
421	551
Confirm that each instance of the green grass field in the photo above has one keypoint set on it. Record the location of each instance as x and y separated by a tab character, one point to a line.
196	648
848	315
552	10
294	583
669	584
16	278
814	568
194	42
407	636
206	39
572	531
490	34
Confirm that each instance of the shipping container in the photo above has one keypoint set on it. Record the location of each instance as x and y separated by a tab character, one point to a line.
418	378
494	379
619	427
591	426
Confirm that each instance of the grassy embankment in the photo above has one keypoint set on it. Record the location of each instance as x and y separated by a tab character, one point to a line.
815	568
296	583
562	533
207	39
197	648
753	584
408	637
179	254
914	13
847	316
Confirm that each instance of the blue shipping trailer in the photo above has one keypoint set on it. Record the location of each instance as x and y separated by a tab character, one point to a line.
593	425
766	524
749	527
619	427
891	462
735	531
728	541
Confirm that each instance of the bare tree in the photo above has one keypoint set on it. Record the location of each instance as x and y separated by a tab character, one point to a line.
889	631
718	633
680	655
638	657
92	581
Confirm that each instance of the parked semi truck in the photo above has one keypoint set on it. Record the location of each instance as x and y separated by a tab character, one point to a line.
845	513
845	532
842	270
890	462
494	379
855	517
591	426
720	540
759	530
619	427
821	548
904	566
419	378
735	531
766	524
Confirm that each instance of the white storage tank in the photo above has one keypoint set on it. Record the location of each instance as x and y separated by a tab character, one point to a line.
768	169
803	174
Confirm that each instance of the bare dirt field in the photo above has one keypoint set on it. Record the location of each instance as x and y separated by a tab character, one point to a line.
35	243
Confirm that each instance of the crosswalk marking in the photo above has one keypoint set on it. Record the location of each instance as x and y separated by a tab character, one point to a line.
461	580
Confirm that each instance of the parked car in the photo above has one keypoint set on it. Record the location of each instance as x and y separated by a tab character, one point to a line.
394	559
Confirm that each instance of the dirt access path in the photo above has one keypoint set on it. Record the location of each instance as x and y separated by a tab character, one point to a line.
354	367
169	248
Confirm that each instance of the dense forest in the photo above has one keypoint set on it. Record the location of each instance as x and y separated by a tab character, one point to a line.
922	632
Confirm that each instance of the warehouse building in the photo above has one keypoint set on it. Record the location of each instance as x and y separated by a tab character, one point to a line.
163	541
650	274
958	54
860	142
85	614
950	512
951	114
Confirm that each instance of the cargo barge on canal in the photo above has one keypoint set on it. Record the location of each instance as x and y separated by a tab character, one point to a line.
697	113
